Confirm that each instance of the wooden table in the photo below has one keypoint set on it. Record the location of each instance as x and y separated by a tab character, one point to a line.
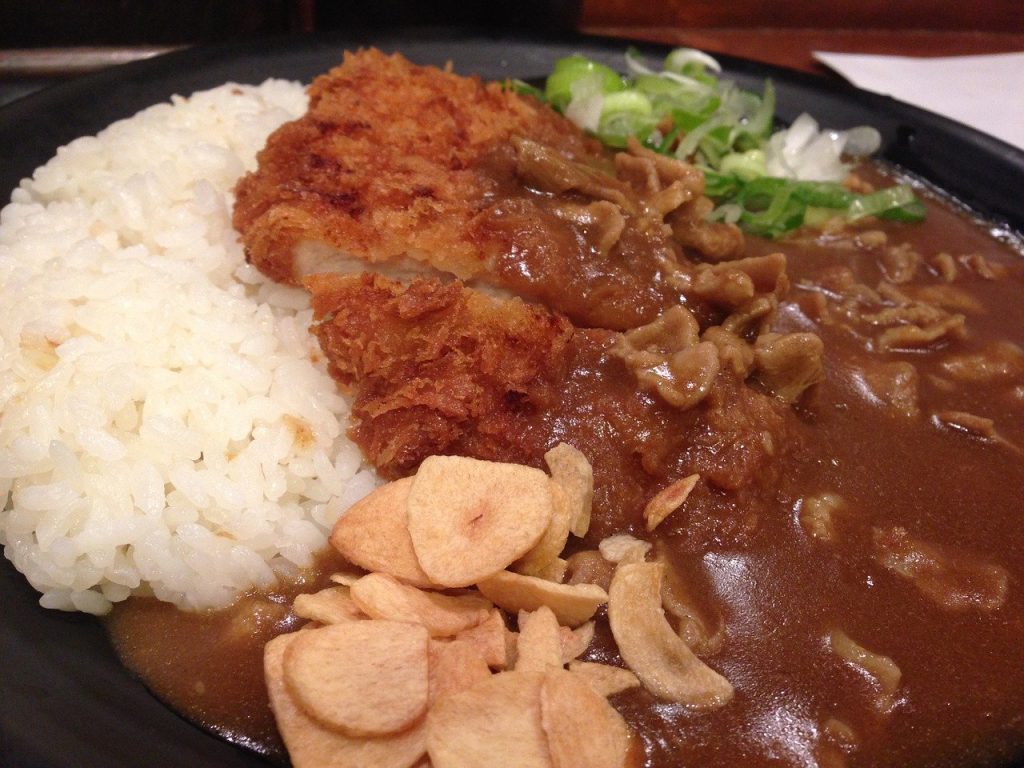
786	32
793	47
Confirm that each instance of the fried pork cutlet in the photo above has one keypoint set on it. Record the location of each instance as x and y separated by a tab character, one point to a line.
412	170
442	369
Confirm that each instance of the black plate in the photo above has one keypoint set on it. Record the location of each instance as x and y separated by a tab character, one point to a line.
64	698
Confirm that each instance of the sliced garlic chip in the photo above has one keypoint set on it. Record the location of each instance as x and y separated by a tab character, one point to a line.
651	649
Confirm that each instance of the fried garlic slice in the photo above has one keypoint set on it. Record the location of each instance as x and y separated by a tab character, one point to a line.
455	665
333	605
470	519
572	604
381	596
374	534
362	678
583	729
604	678
668	500
650	647
571	470
547	550
311	745
496	722
539	647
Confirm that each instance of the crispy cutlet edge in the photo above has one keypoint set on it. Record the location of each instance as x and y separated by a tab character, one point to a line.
278	209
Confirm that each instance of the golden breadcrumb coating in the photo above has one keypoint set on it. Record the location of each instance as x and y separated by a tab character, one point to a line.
436	368
381	166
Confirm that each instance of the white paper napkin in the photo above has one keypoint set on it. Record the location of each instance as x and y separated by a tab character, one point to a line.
985	92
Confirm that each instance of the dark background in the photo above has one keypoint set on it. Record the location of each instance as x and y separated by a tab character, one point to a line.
45	23
48	41
39	23
45	41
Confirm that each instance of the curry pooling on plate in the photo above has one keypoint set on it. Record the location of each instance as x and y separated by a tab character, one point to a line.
850	559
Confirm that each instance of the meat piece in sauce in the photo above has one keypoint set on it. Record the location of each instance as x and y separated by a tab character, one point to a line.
439	368
954	580
411	170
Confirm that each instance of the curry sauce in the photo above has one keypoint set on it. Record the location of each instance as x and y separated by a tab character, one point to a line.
882	507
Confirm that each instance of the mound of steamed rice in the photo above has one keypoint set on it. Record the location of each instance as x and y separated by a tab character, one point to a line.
164	428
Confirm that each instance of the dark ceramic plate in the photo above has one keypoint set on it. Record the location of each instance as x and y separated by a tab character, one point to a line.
64	698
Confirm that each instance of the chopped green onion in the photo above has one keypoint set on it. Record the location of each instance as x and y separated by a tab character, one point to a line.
763	120
616	127
721	186
772	206
572	68
668	139
746	165
727	212
627	101
693	138
772	216
823	194
524	88
817	218
913	212
654	85
633	63
688	112
897	203
680	58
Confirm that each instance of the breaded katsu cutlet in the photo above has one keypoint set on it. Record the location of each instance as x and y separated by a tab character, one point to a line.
410	170
382	167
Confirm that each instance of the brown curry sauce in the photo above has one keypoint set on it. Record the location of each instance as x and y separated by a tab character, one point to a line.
895	461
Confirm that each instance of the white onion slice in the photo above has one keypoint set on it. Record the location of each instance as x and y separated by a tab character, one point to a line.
635	67
862	141
587	101
808	153
727	212
680	57
695	85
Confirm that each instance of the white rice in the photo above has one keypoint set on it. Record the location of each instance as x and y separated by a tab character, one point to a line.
154	388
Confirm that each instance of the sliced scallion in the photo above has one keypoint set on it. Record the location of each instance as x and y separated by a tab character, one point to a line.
685	110
680	58
897	203
558	88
